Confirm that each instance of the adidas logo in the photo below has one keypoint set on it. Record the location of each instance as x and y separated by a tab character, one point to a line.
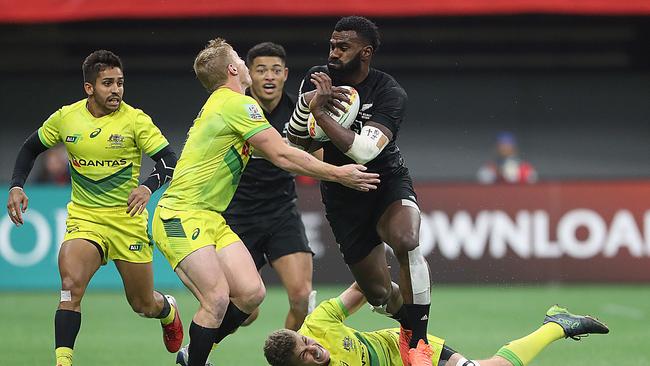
425	317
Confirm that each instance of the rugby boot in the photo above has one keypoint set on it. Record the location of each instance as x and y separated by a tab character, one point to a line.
182	357
575	326
405	336
421	356
173	332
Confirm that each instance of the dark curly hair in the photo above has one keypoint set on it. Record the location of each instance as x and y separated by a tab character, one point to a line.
279	347
97	62
266	49
365	28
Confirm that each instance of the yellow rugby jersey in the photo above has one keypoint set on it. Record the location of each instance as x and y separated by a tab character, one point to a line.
215	153
349	347
105	153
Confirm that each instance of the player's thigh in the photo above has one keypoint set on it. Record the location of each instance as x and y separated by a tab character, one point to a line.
355	231
202	274
399	225
243	278
78	261
372	275
289	253
295	272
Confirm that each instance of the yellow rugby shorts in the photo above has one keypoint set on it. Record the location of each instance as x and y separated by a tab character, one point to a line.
179	233
119	235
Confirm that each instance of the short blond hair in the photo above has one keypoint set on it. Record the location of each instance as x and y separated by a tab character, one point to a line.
211	64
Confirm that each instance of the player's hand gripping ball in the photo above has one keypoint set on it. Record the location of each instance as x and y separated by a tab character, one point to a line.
345	118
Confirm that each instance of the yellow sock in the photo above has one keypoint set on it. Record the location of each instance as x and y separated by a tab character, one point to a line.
170	317
521	351
63	356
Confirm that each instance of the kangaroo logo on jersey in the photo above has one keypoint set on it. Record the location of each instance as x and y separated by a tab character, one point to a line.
115	141
196	233
347	343
95	133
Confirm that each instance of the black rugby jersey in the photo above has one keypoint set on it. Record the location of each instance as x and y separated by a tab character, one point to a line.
265	189
383	101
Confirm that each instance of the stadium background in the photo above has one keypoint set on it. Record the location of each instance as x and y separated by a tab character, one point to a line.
569	78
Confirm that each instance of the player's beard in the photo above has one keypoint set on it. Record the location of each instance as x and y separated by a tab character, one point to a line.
345	70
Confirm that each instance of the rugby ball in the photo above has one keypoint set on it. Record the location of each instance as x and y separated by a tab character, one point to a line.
345	119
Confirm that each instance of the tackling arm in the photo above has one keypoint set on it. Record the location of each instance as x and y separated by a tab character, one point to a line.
270	143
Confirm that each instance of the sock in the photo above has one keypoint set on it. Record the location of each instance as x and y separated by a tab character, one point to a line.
167	313
521	351
201	340
402	318
418	319
66	328
232	319
63	356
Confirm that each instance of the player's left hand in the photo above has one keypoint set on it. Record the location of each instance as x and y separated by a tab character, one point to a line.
138	200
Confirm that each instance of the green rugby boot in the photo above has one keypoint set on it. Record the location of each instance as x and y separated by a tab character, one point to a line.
575	326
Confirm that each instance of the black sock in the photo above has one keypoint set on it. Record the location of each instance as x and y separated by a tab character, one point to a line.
166	307
66	327
232	319
201	340
401	317
418	319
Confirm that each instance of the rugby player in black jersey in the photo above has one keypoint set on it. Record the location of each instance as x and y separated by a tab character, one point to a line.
263	211
361	222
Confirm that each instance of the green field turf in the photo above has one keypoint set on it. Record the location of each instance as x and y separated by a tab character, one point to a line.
474	320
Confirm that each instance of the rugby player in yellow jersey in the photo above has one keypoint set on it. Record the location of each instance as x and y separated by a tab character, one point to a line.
107	220
324	339
188	225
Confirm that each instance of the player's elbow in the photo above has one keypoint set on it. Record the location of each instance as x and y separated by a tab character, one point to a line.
363	149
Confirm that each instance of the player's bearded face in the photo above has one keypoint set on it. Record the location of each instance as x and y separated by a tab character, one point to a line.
108	89
340	69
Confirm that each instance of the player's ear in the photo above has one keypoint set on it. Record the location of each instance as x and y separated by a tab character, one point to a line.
232	69
89	88
367	52
286	73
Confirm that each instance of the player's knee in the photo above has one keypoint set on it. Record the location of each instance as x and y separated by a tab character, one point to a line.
378	295
256	296
299	298
72	289
216	304
403	242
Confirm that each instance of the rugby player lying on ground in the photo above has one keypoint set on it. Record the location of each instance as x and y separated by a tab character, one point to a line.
325	340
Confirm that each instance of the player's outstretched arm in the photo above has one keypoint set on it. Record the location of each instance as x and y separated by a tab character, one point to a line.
352	298
17	201
270	143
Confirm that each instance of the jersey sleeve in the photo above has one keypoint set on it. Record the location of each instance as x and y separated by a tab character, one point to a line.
244	116
48	133
148	136
306	85
390	108
329	313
